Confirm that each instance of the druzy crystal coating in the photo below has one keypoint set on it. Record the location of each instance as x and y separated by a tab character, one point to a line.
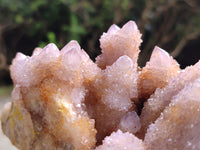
62	100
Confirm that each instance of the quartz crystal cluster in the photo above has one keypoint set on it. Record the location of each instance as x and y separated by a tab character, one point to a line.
62	100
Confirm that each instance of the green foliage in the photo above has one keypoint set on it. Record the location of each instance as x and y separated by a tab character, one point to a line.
51	39
74	28
26	24
5	90
60	21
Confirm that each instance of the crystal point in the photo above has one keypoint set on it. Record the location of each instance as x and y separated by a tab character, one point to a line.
155	76
162	97
63	100
113	29
48	87
118	43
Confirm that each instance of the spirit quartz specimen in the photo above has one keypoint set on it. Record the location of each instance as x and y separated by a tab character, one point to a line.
63	101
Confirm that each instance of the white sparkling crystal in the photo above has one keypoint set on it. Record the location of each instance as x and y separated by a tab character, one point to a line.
121	141
172	130
118	42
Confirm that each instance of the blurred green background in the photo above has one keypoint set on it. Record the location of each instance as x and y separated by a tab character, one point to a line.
174	25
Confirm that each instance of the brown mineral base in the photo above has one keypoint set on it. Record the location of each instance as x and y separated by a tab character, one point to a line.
62	100
5	143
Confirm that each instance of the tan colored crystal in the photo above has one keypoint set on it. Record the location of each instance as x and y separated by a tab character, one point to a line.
162	97
48	100
111	96
179	124
157	73
62	100
118	42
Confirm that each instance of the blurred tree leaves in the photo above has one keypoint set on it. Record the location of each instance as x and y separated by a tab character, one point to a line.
74	28
162	22
26	24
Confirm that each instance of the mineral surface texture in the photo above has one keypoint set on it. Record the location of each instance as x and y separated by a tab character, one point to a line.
62	100
117	42
178	126
47	109
157	73
121	141
162	97
113	89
